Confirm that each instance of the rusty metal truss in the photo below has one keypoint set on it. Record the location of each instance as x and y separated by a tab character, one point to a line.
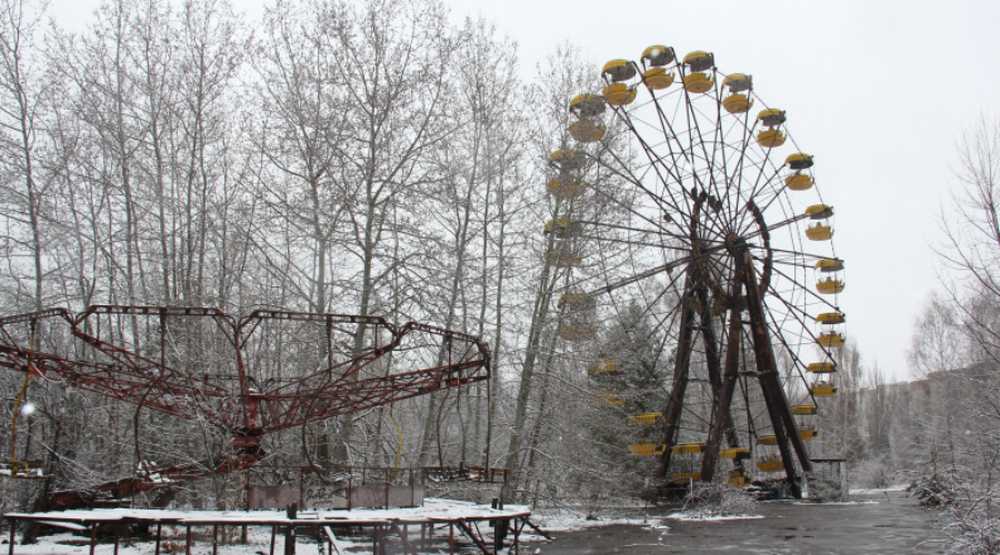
250	376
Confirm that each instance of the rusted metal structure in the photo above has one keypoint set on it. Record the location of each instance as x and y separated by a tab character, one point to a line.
484	529
680	208
250	376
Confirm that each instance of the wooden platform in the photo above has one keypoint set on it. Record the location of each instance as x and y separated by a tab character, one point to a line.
438	521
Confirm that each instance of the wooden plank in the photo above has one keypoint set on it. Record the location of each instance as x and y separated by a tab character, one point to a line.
464	527
331	539
535	527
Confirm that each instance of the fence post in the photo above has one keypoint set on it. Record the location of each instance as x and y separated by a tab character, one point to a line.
292	513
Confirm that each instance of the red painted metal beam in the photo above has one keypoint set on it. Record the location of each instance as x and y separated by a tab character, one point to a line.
87	351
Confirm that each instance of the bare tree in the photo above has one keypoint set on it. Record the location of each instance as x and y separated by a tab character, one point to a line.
483	100
23	184
963	344
938	342
972	248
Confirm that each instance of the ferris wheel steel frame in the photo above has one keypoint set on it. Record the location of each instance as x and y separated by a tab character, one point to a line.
701	208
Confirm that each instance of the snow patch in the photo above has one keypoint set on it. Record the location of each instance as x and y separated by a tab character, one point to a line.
826	503
695	516
434	509
876	491
566	520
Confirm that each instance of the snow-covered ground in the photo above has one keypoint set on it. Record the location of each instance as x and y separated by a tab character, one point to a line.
836	503
876	491
433	509
697	516
559	520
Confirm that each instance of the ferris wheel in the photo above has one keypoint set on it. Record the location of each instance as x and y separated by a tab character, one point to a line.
680	196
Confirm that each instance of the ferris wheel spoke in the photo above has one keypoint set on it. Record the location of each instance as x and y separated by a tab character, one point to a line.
657	161
753	192
710	160
691	157
633	179
661	232
719	141
665	324
747	234
775	196
659	322
737	175
692	118
793	263
671	137
724	274
633	242
761	170
800	254
645	274
807	290
798	363
656	227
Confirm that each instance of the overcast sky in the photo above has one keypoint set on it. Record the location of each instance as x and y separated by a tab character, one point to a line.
880	92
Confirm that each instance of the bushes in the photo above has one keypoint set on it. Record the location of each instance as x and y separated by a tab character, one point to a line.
974	532
718	499
935	490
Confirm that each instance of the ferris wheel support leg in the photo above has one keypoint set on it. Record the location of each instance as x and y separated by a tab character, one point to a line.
785	428
722	419
681	364
720	411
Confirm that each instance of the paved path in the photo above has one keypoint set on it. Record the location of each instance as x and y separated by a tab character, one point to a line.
880	523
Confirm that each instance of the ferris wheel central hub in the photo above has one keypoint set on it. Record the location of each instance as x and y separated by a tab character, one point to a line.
735	244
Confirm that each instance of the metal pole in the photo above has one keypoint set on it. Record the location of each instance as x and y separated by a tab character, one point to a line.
13	531
785	428
291	513
517	535
722	420
675	405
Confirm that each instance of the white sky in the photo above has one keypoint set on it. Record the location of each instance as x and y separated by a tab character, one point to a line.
880	92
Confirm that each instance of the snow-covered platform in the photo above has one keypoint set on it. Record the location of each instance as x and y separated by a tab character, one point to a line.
491	530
